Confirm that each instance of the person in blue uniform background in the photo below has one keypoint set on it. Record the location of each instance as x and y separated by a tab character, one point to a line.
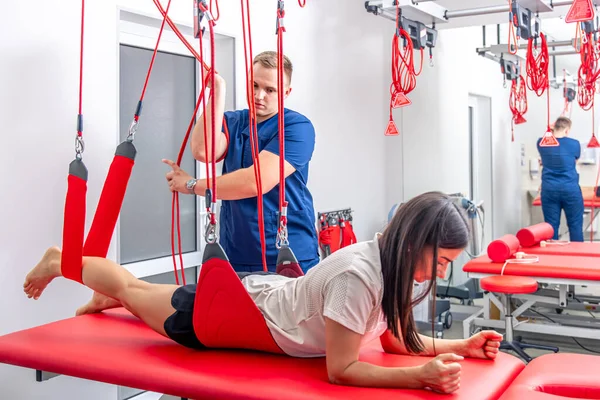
560	181
236	187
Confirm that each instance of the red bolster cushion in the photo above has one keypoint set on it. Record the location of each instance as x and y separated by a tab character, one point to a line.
533	235
502	249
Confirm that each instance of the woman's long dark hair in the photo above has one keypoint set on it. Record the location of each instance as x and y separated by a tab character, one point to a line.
430	220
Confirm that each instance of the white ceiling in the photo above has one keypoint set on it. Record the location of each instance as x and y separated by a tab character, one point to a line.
552	23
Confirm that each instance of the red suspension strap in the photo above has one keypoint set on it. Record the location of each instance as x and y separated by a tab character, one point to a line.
282	234
75	202
113	191
287	263
248	58
404	76
518	103
115	185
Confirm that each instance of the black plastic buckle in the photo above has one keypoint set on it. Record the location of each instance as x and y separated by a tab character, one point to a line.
522	19
510	70
417	32
430	37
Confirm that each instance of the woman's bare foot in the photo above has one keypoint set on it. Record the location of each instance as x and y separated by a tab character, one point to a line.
98	303
43	273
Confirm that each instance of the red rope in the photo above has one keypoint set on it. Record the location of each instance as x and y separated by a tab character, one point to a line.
253	127
180	35
404	76
80	125
588	73
280	97
517	102
537	67
512	31
218	13
162	26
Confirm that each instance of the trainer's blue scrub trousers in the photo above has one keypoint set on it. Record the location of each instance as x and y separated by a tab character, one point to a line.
570	199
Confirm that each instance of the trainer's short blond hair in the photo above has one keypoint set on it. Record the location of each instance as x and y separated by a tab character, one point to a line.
268	59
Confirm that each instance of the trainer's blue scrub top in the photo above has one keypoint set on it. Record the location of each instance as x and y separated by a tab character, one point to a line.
239	234
559	163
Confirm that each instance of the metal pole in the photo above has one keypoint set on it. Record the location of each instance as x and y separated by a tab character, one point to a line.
561	3
558	43
492	10
475	11
563	53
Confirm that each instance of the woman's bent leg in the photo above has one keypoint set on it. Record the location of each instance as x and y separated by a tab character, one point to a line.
149	302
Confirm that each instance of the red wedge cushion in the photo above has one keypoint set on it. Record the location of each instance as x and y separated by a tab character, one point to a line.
225	316
558	376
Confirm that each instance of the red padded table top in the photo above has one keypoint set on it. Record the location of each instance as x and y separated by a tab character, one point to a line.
557	376
549	266
589	198
585	249
117	348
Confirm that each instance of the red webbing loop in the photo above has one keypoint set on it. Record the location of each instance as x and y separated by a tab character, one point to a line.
252	125
218	13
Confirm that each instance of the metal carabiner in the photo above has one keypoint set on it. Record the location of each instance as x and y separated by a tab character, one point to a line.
132	130
79	146
210	233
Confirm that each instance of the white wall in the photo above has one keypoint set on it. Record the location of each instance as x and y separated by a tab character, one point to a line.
341	58
434	131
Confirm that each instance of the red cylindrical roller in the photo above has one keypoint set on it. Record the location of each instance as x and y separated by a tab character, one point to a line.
502	249
533	235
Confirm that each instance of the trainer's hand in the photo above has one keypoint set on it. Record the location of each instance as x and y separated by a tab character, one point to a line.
484	344
442	374
219	82
177	178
